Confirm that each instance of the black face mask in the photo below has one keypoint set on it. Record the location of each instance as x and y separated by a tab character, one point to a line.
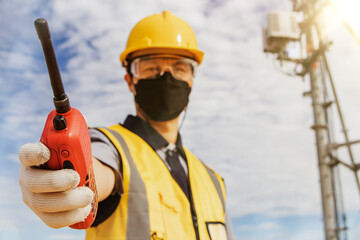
162	98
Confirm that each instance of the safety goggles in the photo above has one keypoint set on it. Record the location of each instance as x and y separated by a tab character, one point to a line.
154	66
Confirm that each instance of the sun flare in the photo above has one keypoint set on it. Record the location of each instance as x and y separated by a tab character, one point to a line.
348	11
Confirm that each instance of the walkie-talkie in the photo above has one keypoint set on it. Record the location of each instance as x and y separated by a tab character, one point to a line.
66	133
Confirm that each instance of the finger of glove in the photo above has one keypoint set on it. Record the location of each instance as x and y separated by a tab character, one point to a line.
64	219
58	202
41	180
34	154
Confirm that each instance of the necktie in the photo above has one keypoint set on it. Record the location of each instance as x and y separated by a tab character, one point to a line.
177	171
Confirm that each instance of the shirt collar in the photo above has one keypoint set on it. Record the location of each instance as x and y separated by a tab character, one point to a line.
141	128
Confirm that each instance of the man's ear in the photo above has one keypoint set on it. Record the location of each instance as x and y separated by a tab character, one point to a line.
130	83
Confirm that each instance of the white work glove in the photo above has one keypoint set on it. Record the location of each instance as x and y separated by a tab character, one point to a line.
52	194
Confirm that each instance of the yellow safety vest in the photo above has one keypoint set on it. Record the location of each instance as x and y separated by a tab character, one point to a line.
153	205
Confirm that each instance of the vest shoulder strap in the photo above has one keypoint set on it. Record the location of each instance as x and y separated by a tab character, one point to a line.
218	183
216	179
137	200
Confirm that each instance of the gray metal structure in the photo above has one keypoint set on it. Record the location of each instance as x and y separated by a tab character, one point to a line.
314	68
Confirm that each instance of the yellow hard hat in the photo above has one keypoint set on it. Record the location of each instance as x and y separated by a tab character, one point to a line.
162	33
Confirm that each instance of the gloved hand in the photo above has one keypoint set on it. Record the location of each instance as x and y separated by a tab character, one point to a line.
53	195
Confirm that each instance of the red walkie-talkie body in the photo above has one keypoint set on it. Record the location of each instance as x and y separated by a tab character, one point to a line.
66	133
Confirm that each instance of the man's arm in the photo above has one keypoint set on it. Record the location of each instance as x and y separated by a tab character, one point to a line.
104	179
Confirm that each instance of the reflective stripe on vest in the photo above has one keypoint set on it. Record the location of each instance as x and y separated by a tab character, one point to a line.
153	205
135	201
216	183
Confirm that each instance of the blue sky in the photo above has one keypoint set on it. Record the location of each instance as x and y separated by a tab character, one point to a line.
246	119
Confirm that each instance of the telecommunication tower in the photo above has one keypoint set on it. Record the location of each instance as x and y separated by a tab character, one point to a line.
301	26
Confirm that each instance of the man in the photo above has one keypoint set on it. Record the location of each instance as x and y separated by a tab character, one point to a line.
149	186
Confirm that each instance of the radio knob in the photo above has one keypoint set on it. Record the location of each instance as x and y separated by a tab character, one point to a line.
59	122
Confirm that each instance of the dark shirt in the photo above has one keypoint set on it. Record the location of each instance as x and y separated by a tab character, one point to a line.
151	137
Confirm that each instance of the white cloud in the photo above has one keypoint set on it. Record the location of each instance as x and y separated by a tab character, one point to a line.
261	226
246	119
9	231
64	236
10	195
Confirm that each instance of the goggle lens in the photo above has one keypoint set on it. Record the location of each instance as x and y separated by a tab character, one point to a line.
147	68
